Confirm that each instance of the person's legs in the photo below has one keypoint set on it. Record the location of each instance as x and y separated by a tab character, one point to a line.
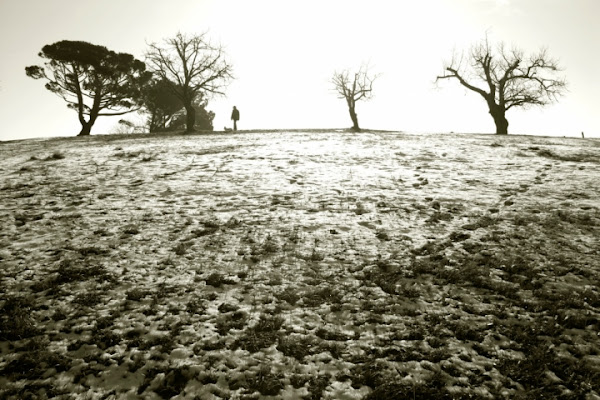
235	125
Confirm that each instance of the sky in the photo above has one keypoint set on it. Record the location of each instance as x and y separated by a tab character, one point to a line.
284	53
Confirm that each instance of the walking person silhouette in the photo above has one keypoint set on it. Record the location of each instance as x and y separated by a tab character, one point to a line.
235	116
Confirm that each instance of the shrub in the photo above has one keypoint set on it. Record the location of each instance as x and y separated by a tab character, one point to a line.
296	347
149	375
105	338
322	295
131	229
16	322
298	380
207	230
92	251
224	323
217	279
181	248
288	295
34	364
167	343
326	334
463	331
316	386
70	271
265	382
136	294
370	374
261	335
88	299
194	306
57	155
173	383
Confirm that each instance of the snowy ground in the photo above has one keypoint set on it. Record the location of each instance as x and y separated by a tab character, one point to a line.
300	265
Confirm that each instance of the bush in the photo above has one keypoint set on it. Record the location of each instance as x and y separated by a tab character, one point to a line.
71	271
217	279
16	322
296	347
265	382
173	383
224	323
261	335
57	155
34	364
136	294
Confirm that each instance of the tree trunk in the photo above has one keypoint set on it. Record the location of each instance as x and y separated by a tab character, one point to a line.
153	123
190	118
354	118
85	130
86	126
500	120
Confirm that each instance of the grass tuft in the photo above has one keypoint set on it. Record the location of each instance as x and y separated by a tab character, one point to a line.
57	155
217	279
265	382
16	322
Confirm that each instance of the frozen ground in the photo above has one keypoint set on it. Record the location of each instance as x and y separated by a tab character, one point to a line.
300	265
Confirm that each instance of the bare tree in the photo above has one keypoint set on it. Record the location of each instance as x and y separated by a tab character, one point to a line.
506	78
354	87
193	66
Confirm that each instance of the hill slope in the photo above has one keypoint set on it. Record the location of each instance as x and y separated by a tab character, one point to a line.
323	265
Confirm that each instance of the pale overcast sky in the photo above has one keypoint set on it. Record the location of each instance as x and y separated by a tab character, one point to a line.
284	53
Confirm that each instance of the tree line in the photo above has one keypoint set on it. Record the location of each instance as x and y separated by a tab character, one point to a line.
179	76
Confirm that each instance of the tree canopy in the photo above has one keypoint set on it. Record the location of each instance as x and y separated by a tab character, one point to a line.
93	80
161	103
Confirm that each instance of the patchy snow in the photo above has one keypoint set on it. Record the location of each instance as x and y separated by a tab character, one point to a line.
300	264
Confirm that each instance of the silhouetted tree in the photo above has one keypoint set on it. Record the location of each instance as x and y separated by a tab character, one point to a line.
193	66
93	80
354	87
161	103
203	118
506	78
